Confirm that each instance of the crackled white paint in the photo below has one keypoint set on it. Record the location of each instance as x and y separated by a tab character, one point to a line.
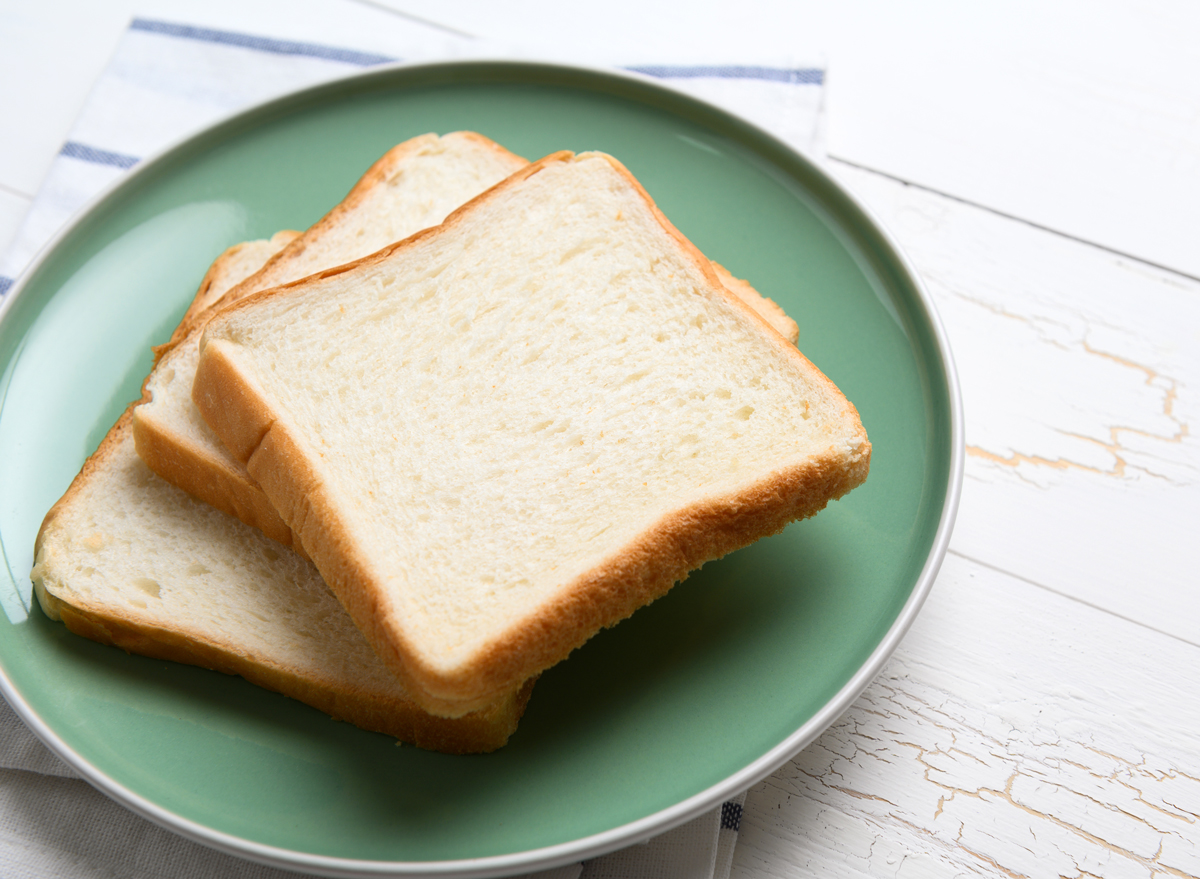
1074	358
1043	716
1015	733
1080	371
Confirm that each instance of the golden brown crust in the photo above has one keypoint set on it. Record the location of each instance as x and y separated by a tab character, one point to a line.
212	480
767	307
240	421
481	732
215	284
381	171
632	577
662	556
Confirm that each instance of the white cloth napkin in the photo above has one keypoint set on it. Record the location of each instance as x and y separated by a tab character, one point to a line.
165	80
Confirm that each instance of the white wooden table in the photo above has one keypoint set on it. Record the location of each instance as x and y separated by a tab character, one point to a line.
1040	163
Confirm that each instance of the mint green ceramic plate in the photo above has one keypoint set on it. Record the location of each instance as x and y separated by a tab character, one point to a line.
694	699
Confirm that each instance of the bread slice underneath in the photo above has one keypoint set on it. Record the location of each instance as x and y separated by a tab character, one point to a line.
129	560
231	268
126	559
507	432
413	186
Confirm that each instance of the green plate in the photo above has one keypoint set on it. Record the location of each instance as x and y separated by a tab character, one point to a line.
694	699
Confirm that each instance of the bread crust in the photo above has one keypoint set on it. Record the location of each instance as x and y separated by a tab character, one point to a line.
214	285
385	712
214	479
631	577
765	306
224	483
381	171
481	732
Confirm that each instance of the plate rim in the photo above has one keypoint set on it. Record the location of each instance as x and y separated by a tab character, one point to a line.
624	835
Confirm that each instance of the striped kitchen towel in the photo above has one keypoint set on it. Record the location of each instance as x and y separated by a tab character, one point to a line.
166	80
169	79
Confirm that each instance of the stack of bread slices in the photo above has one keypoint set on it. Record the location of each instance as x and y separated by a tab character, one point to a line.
398	465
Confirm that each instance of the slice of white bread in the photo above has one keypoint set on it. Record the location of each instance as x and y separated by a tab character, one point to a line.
126	559
413	186
231	268
767	308
507	432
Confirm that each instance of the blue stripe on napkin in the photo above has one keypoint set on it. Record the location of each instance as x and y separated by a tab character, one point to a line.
731	816
259	44
797	76
84	153
99	156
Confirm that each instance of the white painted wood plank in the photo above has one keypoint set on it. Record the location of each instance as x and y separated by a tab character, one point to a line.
1078	115
657	31
1080	371
52	52
1014	733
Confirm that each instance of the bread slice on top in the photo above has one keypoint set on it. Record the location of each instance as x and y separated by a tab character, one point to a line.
126	559
507	432
414	186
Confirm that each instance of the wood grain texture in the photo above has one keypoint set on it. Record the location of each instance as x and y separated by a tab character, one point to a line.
1079	372
1015	733
1043	716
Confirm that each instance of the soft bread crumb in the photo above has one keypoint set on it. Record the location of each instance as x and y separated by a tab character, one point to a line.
415	185
550	399
176	579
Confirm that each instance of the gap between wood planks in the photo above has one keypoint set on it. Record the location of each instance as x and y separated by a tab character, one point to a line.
1013	217
1070	597
12	190
383	6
